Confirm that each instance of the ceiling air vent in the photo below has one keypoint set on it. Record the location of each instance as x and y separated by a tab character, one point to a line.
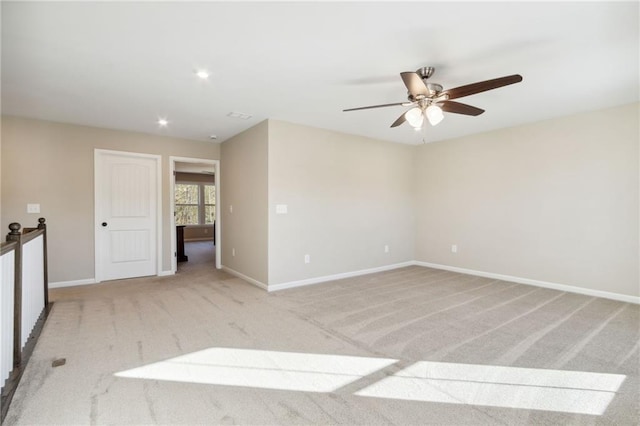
239	115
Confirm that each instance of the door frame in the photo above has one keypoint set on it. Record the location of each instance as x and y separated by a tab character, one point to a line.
172	206
97	206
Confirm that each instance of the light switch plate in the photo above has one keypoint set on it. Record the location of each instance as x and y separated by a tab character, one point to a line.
281	209
33	208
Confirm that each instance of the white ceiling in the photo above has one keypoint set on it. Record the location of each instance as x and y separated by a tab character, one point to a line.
122	65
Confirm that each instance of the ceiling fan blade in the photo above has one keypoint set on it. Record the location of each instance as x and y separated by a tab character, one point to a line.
414	84
400	120
458	108
373	106
482	86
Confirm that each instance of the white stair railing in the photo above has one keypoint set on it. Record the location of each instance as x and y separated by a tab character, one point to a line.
7	274
24	303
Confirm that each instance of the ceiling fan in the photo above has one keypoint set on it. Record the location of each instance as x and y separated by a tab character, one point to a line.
429	100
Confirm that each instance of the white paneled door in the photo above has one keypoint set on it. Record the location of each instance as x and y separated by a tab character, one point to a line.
126	191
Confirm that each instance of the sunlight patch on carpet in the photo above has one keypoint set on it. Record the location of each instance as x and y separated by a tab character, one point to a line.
440	382
262	369
508	387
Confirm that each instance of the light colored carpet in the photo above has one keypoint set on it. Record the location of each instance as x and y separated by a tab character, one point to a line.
427	344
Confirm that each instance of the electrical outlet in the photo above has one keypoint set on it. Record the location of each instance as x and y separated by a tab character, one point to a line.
230	209
33	208
307	258
454	248
233	252
386	248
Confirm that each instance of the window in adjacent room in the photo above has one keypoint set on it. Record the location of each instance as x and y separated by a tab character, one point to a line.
195	204
209	203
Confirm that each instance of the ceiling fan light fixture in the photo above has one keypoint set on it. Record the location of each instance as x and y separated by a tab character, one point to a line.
430	100
434	114
414	117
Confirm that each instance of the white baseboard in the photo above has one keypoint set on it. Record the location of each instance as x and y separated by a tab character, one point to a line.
193	240
60	284
318	280
244	277
545	284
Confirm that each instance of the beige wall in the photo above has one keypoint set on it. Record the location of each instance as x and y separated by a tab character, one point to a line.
198	232
243	185
52	164
554	201
194	177
347	197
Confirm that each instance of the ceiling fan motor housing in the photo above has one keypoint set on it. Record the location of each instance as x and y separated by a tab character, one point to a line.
433	90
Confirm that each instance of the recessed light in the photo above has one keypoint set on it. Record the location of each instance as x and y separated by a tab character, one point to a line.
202	74
239	115
163	122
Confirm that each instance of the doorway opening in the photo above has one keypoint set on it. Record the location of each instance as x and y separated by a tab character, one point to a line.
194	212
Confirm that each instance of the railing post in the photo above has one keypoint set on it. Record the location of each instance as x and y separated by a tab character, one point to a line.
14	232
15	235
43	226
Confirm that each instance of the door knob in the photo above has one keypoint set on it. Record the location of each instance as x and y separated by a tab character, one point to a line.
104	223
